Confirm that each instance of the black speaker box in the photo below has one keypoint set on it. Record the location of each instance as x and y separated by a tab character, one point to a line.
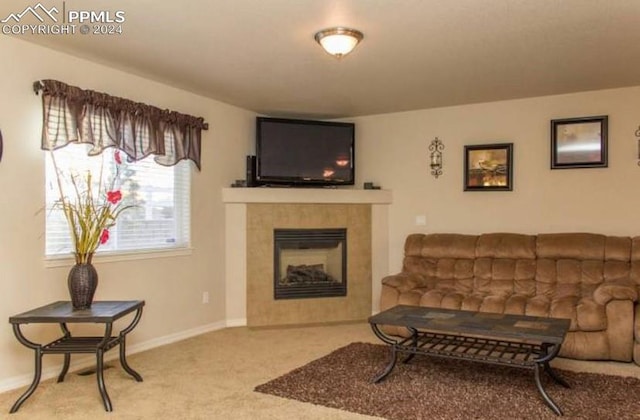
251	171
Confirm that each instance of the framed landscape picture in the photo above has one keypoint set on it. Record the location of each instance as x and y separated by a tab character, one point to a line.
488	167
579	142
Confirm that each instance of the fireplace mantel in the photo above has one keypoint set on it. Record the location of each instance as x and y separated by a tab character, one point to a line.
238	201
305	195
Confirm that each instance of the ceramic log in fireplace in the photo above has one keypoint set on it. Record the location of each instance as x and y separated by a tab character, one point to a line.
310	263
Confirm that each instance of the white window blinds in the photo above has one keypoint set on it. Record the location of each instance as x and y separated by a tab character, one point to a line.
160	194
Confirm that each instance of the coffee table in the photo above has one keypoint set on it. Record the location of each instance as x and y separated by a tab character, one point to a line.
511	340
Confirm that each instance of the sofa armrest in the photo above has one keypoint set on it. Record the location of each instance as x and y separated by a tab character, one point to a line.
404	282
622	289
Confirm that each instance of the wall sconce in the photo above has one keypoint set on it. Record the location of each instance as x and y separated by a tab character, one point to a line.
436	147
638	141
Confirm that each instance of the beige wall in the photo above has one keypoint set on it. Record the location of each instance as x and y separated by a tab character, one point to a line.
392	150
171	286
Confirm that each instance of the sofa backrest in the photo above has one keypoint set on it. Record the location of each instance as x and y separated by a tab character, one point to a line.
558	265
445	259
505	264
573	265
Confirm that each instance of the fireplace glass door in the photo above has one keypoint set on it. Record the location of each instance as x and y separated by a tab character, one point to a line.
310	263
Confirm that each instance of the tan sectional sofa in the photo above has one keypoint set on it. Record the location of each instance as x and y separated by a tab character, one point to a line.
591	279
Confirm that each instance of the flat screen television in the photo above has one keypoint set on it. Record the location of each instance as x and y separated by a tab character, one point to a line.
303	152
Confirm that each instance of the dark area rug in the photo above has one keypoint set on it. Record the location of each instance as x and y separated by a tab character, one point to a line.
435	388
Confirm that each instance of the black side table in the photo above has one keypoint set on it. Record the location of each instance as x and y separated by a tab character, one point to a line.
102	312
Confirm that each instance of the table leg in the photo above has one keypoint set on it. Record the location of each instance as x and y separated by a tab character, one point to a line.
34	384
67	356
545	396
123	346
65	367
125	365
394	354
555	376
100	375
549	353
100	366
414	344
38	367
390	366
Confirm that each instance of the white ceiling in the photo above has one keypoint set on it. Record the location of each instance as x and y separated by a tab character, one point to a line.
260	54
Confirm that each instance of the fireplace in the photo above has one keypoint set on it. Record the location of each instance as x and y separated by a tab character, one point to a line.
310	263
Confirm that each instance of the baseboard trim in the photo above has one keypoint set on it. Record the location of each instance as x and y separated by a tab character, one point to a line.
84	362
172	338
240	322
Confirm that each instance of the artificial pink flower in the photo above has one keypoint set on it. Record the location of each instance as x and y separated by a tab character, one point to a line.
117	157
114	196
104	237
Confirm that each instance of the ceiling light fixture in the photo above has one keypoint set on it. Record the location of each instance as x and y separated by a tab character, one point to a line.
338	41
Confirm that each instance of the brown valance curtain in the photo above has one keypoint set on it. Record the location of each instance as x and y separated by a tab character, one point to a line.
72	114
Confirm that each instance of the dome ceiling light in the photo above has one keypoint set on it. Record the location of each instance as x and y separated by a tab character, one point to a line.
338	41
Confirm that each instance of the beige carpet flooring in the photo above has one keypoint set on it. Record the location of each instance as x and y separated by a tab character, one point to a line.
212	376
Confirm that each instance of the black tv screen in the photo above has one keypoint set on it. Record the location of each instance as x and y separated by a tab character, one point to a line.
303	152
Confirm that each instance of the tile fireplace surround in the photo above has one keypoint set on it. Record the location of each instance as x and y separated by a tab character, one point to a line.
251	216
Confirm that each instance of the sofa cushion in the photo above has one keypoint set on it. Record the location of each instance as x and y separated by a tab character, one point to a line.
504	276
621	289
405	281
506	245
504	266
585	314
583	246
441	245
577	246
576	264
445	260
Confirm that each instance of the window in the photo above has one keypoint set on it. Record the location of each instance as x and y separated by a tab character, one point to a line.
161	195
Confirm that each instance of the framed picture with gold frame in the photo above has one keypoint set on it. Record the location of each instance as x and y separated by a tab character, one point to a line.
579	142
488	167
